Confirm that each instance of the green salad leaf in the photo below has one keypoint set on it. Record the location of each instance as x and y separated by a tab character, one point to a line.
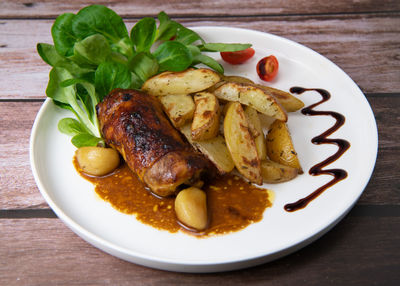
93	53
144	66
92	50
63	36
110	75
173	56
143	34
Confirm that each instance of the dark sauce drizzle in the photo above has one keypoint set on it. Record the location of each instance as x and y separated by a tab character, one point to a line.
343	145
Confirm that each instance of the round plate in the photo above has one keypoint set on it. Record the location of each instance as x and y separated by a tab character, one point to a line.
74	201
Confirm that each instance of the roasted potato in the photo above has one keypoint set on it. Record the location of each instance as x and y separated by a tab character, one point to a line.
255	124
252	96
214	149
273	172
237	79
179	108
241	144
97	161
280	147
230	78
289	102
188	81
191	208
205	123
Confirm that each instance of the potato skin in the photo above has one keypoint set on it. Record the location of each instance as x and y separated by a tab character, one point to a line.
179	108
214	149
258	134
241	144
252	96
273	172
191	208
97	161
280	147
205	123
289	102
185	82
237	79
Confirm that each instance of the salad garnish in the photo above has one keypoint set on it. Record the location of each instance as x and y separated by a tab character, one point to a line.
93	53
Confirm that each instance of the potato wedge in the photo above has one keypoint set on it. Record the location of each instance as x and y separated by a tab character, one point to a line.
273	172
251	96
230	78
289	102
259	138
237	79
205	123
188	81
280	147
214	149
241	144
179	108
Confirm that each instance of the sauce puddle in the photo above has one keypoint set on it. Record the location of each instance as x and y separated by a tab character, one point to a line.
232	202
343	145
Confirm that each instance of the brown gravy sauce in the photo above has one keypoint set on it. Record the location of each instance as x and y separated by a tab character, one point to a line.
233	203
343	145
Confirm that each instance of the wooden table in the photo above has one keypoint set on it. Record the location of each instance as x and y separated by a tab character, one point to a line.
362	37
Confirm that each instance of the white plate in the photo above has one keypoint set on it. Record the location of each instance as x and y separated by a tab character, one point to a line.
74	201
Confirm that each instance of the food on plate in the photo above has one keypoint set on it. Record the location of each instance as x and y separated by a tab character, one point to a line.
256	130
179	108
130	91
251	96
238	57
214	149
280	147
91	58
232	203
205	123
342	144
267	68
97	161
185	82
241	144
191	208
273	172
133	122
236	79
230	78
289	102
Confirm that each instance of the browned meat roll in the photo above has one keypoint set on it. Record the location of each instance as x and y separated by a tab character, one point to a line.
133	122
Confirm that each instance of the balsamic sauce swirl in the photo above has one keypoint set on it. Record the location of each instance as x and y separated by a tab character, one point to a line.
343	145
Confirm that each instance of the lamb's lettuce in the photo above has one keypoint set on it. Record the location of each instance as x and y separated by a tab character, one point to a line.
93	53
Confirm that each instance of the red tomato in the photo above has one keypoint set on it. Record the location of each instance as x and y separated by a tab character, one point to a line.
267	68
238	57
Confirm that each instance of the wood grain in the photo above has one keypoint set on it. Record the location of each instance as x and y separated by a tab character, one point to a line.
50	253
139	8
361	36
18	189
384	185
372	38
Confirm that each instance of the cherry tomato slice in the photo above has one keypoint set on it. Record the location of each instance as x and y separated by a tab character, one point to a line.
238	57
267	68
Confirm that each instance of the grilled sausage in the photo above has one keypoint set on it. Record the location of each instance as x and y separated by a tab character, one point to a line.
133	122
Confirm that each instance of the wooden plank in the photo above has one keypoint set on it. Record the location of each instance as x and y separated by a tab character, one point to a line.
373	41
385	182
17	185
138	8
49	251
18	189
